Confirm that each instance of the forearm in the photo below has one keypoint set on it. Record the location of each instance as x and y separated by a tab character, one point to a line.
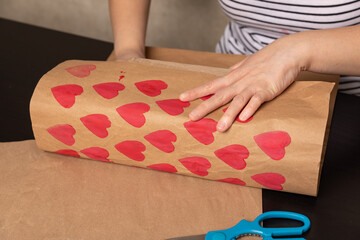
129	21
333	51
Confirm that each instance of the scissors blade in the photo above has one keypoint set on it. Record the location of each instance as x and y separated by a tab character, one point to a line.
194	237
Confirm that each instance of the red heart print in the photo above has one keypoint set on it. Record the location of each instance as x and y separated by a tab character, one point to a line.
96	153
270	180
273	143
68	152
238	119
109	90
132	149
165	167
151	88
97	124
196	165
64	133
207	97
65	94
233	155
162	139
81	71
202	130
133	113
232	180
173	106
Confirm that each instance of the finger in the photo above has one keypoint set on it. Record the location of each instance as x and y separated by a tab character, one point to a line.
238	64
253	105
220	98
203	90
233	110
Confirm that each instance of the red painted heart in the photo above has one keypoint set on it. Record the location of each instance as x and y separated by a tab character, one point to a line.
109	90
162	139
151	88
81	71
202	130
68	152
273	143
196	165
233	155
207	97
65	94
96	153
173	106
238	119
270	180
97	124
165	167
64	133
132	149
232	180
133	113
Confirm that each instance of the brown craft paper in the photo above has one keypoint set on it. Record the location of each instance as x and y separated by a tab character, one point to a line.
50	196
300	113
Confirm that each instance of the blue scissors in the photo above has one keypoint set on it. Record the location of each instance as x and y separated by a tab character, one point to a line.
246	228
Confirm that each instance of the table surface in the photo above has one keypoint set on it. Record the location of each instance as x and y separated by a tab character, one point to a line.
27	52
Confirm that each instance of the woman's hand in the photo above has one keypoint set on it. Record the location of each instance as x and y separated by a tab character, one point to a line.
129	54
258	78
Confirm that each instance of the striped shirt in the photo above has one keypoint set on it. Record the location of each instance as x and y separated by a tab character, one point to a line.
256	23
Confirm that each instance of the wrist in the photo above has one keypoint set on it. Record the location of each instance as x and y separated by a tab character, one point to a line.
124	54
300	50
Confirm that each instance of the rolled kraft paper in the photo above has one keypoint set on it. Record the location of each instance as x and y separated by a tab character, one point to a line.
129	113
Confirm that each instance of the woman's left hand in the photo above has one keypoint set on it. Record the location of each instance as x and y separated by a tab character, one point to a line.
260	77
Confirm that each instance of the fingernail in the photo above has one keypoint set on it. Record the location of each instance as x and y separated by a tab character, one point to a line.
221	125
183	95
243	116
193	114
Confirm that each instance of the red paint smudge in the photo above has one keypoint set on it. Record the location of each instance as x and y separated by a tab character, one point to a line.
132	149
202	130
238	119
109	90
232	180
97	124
196	165
133	113
64	133
270	180
273	143
68	152
233	155
173	107
151	88
65	94
165	167
81	71
162	139
96	153
121	77
207	97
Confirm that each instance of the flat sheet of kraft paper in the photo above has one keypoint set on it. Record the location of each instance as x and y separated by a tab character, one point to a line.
50	196
129	113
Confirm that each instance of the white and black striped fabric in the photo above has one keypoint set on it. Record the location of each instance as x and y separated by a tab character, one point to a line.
256	23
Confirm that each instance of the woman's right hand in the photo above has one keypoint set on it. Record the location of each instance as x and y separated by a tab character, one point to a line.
128	54
129	20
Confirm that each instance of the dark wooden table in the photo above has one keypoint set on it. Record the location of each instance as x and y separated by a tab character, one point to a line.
27	52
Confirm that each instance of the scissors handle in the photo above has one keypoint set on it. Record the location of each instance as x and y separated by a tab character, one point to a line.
255	227
288	231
